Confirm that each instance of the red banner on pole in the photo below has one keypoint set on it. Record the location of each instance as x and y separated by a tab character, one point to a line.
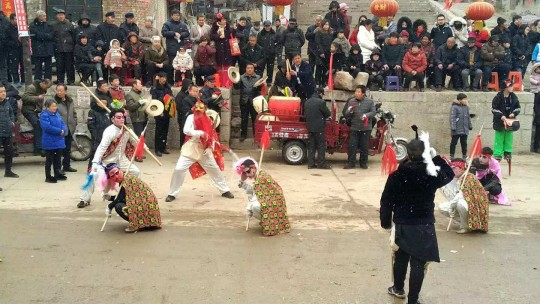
22	22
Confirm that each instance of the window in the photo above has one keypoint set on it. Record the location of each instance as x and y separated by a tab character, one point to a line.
75	8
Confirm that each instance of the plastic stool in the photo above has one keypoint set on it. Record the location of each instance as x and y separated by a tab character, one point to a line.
494	82
517	80
392	83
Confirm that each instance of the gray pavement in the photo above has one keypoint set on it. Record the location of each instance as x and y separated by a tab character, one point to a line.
53	252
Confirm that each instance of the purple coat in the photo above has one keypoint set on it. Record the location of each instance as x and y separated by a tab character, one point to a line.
223	49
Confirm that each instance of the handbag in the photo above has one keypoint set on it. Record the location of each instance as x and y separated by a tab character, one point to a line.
192	150
235	47
511	124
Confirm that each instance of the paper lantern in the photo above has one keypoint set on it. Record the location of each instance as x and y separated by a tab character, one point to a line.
280	5
479	11
384	9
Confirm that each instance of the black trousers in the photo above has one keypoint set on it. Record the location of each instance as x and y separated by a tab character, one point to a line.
536	144
7	142
138	127
419	78
269	65
14	62
359	140
66	153
64	65
463	140
377	79
86	70
162	131
34	121
454	72
416	276
43	67
312	61
53	158
152	70
317	145
203	71
246	109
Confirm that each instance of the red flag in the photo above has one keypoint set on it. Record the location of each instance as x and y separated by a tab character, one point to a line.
389	162
265	140
330	76
476	147
139	150
448	3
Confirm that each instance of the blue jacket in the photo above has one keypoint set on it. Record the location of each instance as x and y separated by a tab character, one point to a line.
52	126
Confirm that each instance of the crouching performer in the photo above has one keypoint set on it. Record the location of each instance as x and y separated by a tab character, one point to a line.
470	202
201	153
135	201
265	197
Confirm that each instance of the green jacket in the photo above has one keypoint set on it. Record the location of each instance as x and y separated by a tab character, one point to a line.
136	113
30	98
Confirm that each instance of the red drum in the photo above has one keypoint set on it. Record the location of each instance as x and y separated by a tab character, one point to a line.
286	108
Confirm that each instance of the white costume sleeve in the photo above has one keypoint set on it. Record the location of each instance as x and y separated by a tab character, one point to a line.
189	128
108	136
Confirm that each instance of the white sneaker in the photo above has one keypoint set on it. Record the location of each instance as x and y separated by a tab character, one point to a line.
108	212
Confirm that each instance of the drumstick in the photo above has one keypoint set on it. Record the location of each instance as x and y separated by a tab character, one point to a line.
247	224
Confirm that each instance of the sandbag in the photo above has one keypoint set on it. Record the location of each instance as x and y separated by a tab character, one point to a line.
343	81
361	79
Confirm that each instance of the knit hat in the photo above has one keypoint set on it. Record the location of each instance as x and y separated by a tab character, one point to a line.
404	33
267	23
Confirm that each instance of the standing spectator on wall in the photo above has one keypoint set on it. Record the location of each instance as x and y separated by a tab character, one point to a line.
335	17
366	39
198	30
147	32
42	46
312	46
64	43
107	31
253	54
14	52
344	8
175	33
66	109
4	25
128	26
292	40
267	39
516	23
86	28
241	32
520	50
220	35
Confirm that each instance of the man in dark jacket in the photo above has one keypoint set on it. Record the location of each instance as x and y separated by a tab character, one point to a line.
292	40
14	53
185	109
7	121
128	26
254	54
33	99
247	93
470	64
392	56
83	58
516	23
107	31
301	78
316	113
446	63
64	43
210	95
335	17
440	32
175	32
505	105
42	46
492	54
158	91
268	40
4	25
407	200
360	110
312	47
501	30
66	109
86	28
241	32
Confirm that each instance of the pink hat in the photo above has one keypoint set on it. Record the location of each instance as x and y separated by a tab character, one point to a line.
404	33
344	6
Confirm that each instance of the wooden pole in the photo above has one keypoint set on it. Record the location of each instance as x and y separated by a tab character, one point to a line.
131	133
26	60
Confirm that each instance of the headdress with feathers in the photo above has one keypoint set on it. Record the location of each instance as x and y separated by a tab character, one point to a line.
426	155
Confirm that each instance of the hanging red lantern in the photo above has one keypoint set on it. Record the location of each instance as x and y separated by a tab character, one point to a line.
280	5
384	9
480	11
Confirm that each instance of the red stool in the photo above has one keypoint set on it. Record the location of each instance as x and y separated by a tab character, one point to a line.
517	80
494	83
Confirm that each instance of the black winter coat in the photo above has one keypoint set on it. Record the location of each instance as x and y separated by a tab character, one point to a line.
507	58
125	29
269	42
64	37
307	86
463	58
169	30
7	118
355	60
98	118
4	24
374	66
293	39
310	37
501	106
409	193
159	91
501	33
42	39
336	20
88	30
83	53
316	112
439	35
323	41
107	32
253	55
407	28
392	54
242	33
12	41
446	56
520	48
223	49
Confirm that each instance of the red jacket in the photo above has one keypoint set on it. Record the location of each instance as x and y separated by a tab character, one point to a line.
412	62
206	56
353	38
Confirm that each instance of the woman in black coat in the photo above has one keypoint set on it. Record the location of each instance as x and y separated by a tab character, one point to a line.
42	46
520	50
220	34
323	41
404	24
